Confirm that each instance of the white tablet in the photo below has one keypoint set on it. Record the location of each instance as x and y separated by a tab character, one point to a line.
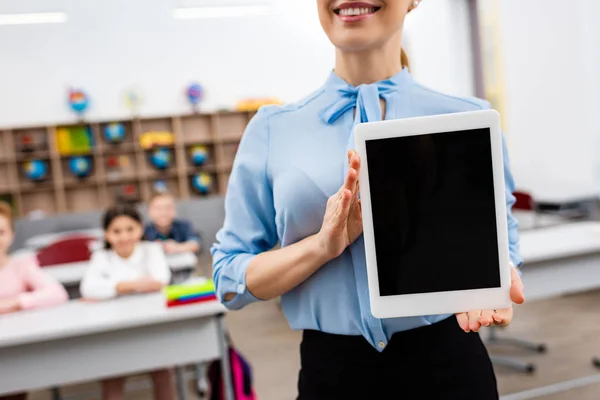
434	214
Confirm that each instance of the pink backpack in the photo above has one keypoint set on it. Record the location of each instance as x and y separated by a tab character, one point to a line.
241	376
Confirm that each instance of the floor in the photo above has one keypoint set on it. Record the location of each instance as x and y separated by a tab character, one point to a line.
570	327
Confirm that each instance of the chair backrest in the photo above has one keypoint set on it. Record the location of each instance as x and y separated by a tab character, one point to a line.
524	201
73	249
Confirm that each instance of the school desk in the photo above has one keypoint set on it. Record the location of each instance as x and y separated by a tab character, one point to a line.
561	259
81	342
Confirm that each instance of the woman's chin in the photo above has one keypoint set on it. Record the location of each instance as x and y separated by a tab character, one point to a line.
353	43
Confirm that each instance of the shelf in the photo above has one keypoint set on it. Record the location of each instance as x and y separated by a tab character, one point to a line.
83	198
167	146
33	155
197	142
10	189
124	148
225	167
228	139
79	154
84	182
162	174
123	178
202	168
209	168
37	187
119	169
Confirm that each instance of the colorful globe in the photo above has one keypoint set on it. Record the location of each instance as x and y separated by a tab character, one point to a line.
115	132
78	100
194	93
202	183
160	186
199	154
36	170
80	166
160	158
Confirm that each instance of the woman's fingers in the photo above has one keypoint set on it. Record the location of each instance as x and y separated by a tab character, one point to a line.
474	323
351	180
503	317
340	215
487	318
353	159
516	287
354	164
463	321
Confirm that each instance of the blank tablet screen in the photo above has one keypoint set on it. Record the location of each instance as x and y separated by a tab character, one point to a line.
434	217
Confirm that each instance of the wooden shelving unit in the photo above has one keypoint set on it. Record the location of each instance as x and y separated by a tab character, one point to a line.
122	169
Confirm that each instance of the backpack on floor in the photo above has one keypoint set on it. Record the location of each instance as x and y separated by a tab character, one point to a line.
241	377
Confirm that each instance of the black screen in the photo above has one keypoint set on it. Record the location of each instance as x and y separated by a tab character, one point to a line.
434	212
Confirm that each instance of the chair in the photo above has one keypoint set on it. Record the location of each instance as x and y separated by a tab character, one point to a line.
524	202
65	251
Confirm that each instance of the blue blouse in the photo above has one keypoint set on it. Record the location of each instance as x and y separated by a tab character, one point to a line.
290	160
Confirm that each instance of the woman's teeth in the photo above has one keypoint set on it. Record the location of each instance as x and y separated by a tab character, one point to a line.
351	12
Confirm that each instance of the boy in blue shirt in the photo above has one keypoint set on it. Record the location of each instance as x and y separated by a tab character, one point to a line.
177	236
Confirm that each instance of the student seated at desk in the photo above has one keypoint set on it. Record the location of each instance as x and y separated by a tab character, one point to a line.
23	285
127	265
175	235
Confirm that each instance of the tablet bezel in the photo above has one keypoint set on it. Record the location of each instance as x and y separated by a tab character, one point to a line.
437	302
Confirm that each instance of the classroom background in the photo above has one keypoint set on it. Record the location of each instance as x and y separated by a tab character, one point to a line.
111	101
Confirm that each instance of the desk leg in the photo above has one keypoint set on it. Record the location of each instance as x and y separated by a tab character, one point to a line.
225	364
56	394
180	378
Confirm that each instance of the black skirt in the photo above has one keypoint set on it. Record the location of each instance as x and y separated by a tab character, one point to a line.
439	361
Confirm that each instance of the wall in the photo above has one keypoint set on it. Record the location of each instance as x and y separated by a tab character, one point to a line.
439	44
110	45
550	65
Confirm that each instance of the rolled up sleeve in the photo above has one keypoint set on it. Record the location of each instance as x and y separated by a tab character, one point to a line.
249	227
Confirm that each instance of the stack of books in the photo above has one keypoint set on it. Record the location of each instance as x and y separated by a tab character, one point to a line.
192	292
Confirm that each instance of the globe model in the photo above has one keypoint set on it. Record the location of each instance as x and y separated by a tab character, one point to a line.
160	158
36	170
114	132
202	183
199	155
80	166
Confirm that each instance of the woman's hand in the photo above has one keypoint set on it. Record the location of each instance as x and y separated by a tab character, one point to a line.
473	320
8	306
342	223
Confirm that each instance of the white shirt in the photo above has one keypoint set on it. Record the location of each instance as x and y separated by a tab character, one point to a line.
107	269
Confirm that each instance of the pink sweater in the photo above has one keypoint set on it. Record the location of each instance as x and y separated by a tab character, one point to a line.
22	277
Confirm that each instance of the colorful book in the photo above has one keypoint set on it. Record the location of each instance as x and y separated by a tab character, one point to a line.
174	292
196	300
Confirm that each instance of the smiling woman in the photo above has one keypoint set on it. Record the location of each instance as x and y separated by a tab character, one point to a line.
295	182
